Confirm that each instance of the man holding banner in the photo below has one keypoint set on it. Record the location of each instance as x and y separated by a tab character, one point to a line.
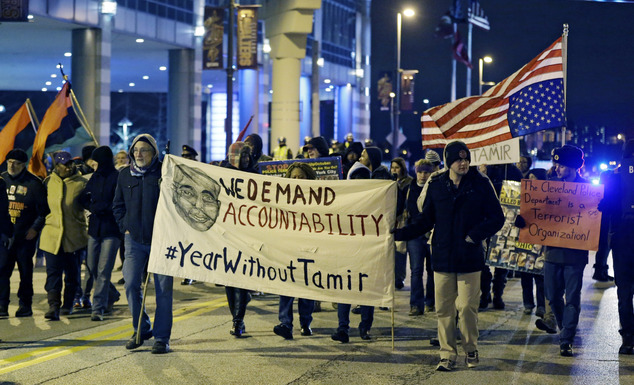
563	267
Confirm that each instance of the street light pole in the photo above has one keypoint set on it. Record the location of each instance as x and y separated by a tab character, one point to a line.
397	112
481	61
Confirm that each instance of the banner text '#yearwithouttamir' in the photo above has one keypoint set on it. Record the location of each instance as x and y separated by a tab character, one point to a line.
252	267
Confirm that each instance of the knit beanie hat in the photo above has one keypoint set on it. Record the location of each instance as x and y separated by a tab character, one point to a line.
18	154
320	144
104	158
456	150
433	157
86	152
569	156
376	155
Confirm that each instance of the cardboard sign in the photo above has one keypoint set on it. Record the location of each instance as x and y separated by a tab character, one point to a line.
325	168
505	249
562	214
327	240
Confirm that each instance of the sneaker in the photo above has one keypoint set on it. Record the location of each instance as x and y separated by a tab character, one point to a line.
446	365
356	310
472	359
341	336
565	350
86	304
545	326
415	310
77	303
602	277
434	341
528	310
96	317
306	331
429	309
365	335
24	311
132	344
160	347
4	311
283	331
540	311
187	281
238	329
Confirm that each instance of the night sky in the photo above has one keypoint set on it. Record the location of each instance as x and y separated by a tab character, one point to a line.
600	55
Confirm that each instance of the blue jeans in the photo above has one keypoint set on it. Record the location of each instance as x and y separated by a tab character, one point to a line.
419	257
527	290
102	253
624	279
343	313
136	258
400	267
304	308
564	280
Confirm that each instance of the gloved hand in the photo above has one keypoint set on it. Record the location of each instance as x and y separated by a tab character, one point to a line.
520	222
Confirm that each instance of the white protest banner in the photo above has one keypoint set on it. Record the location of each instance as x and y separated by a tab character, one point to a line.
316	239
507	151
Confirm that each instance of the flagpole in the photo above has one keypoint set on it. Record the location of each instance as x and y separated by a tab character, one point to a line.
83	117
469	55
31	111
453	65
564	62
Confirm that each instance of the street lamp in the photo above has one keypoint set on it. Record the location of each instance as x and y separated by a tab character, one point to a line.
481	61
399	16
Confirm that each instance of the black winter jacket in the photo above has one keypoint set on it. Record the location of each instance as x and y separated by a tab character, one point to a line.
97	198
27	202
472	209
135	201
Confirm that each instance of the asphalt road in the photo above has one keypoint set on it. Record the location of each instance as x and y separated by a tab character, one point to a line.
77	350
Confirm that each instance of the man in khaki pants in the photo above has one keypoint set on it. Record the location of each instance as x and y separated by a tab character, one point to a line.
461	206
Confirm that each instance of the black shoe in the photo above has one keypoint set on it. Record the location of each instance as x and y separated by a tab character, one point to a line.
434	341
543	325
96	317
602	277
317	307
4	311
132	344
365	335
24	311
340	336
627	347
238	329
121	281
498	304
484	303
52	313
400	285
415	310
160	347
66	311
283	331
565	350
306	331
356	310
86	304
187	281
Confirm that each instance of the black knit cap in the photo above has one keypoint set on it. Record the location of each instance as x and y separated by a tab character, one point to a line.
569	156
86	152
376	156
18	154
456	150
320	144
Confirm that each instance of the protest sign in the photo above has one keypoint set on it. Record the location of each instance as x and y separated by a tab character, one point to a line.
316	239
325	168
562	214
505	249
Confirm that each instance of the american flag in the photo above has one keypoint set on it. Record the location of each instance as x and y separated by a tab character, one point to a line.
477	17
530	100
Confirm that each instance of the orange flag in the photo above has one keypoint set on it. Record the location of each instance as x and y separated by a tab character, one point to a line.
18	123
50	123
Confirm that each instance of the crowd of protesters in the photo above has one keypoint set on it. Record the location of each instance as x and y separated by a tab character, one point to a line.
89	209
